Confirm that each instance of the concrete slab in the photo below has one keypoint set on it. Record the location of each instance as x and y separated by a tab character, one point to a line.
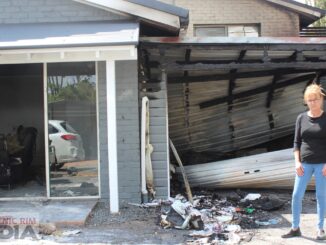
59	212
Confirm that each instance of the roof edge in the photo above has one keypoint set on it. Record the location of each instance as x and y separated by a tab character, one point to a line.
168	8
167	16
300	8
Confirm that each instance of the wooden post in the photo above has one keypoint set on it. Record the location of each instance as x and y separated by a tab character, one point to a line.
185	179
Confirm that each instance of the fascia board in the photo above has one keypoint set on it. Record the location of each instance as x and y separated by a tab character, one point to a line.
132	9
297	8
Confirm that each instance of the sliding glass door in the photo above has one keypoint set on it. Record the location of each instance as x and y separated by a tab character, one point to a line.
72	129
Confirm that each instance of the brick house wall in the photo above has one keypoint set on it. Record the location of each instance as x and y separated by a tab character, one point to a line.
274	21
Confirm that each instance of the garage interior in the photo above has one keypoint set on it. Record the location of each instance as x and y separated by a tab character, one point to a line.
72	100
227	97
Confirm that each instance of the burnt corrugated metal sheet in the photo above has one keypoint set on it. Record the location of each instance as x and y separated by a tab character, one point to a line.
267	170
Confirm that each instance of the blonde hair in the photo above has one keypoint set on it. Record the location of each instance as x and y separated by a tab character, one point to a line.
315	89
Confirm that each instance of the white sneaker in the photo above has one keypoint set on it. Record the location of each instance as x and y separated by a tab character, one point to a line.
321	235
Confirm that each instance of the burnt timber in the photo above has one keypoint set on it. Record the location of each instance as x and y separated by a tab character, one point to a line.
227	95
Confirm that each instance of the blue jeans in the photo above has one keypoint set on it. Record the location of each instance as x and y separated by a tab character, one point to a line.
300	186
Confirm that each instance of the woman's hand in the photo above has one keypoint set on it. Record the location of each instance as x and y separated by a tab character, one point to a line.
324	170
300	171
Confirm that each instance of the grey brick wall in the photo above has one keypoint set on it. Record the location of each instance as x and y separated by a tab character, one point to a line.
34	11
274	21
128	136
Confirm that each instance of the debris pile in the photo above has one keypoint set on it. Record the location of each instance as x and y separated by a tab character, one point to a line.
217	219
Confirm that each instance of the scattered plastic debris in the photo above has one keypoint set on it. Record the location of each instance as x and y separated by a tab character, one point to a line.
268	222
251	197
69	193
72	171
47	228
71	232
233	228
249	210
216	219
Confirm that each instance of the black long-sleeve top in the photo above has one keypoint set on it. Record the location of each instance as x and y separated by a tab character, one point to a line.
310	138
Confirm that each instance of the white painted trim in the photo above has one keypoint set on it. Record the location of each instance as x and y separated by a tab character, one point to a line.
49	55
68	49
144	112
98	132
167	131
296	8
133	9
112	135
46	135
75	198
32	199
43	198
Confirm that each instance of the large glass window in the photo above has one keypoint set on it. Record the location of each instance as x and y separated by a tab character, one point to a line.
72	129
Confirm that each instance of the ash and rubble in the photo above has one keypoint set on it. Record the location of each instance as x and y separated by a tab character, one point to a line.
215	217
220	219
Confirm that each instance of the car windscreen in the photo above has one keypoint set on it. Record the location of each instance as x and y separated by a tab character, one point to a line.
68	128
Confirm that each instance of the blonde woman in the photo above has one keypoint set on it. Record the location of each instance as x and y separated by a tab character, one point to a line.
310	159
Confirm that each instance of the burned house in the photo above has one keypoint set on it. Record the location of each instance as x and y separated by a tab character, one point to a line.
77	70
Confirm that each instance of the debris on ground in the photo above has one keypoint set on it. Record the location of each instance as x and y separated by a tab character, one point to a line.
72	171
71	232
47	228
216	219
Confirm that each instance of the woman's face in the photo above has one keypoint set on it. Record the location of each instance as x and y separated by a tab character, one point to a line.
314	101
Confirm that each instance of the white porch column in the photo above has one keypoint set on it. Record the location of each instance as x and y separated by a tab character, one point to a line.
112	136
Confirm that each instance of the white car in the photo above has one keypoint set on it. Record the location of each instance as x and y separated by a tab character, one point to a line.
65	142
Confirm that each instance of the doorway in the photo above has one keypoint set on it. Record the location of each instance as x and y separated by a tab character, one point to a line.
22	153
49	130
72	128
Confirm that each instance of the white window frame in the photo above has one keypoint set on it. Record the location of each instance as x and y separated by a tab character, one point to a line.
226	28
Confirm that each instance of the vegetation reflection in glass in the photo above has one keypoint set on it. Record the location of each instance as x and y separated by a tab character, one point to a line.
72	129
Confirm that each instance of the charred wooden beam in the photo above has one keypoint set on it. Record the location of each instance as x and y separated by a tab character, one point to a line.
228	76
232	80
269	101
292	58
271	120
216	62
266	58
255	91
230	90
242	55
146	63
271	91
187	60
236	46
267	65
186	93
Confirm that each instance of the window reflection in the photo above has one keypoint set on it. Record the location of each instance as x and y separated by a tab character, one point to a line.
72	125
